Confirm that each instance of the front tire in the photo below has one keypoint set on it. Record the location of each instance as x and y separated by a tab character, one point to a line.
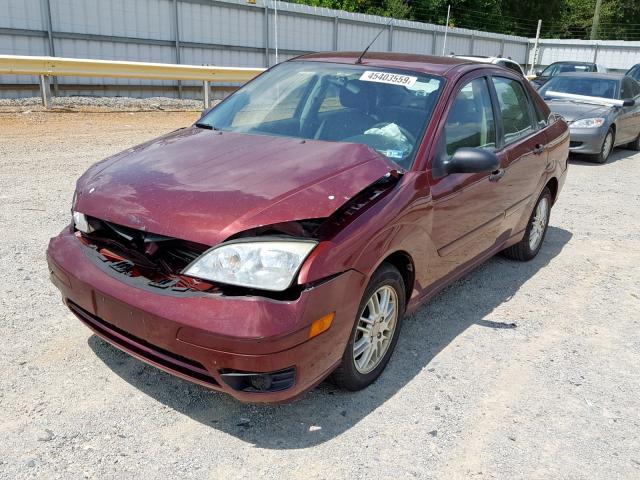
375	332
529	246
605	149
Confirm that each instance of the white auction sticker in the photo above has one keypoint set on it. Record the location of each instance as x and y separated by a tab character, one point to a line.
390	78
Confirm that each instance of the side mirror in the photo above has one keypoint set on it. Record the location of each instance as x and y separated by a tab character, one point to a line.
538	73
628	102
471	160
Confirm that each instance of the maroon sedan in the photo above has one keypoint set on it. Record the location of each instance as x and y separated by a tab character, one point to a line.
286	234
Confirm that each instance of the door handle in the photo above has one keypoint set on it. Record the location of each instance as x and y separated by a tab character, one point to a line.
538	149
496	175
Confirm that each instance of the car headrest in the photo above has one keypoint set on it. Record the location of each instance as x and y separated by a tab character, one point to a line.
357	94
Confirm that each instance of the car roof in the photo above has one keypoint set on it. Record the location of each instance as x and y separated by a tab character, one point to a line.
484	59
573	62
610	76
435	65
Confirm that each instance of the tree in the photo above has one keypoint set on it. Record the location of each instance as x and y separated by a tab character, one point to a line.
619	19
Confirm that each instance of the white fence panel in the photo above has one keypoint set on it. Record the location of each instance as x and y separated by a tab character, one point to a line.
616	55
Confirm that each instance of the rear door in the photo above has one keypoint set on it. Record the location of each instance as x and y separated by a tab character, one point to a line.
523	149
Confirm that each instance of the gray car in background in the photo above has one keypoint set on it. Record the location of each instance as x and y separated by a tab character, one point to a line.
558	68
602	110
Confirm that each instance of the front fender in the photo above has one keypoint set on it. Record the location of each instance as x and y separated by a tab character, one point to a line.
399	222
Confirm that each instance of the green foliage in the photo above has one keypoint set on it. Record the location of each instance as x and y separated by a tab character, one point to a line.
619	19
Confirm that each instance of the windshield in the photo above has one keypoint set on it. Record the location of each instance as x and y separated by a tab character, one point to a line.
558	68
582	85
385	109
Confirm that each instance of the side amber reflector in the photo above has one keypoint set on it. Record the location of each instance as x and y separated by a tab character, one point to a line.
321	325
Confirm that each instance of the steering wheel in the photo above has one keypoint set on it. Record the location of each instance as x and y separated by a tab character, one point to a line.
405	132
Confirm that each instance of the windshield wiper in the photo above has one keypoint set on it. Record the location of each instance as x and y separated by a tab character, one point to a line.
206	125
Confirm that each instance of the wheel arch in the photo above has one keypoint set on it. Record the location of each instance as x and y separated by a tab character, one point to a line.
553	185
401	260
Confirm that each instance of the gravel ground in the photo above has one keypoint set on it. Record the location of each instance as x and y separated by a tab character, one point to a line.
99	104
516	371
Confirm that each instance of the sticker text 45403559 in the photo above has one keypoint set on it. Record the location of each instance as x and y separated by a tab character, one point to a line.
390	78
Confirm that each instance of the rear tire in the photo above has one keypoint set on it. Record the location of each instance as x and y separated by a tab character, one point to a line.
527	248
605	149
361	366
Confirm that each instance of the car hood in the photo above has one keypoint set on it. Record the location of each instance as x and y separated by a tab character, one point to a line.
572	111
204	186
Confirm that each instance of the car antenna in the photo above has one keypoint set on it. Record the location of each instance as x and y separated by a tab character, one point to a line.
359	60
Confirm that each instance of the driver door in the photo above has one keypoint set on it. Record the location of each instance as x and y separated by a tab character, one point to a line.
467	218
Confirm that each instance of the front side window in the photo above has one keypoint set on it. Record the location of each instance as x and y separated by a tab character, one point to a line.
635	88
385	109
629	88
514	109
470	122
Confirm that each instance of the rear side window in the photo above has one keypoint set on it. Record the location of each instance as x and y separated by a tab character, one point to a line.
635	72
470	122
514	109
540	115
331	100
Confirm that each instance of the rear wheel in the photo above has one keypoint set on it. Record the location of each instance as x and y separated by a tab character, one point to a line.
375	333
635	145
605	149
529	246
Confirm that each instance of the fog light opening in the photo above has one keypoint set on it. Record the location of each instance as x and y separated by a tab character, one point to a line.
259	382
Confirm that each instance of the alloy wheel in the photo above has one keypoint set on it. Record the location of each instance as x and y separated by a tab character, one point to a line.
606	145
375	329
539	223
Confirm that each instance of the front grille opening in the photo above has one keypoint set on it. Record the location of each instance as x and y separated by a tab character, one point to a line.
156	259
169	360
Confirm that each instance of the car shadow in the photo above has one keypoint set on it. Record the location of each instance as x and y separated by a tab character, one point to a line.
293	426
618	154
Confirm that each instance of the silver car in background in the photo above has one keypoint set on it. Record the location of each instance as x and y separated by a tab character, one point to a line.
602	110
502	61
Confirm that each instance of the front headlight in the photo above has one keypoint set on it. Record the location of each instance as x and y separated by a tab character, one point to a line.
262	264
588	123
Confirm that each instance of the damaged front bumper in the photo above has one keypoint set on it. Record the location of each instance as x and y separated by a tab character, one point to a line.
212	338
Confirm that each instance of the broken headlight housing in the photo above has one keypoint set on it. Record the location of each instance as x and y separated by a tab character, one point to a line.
81	222
257	263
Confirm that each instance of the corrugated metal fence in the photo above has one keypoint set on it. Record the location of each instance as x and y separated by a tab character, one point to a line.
208	32
615	55
237	33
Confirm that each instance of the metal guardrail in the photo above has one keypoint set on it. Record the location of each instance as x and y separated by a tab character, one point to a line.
45	67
